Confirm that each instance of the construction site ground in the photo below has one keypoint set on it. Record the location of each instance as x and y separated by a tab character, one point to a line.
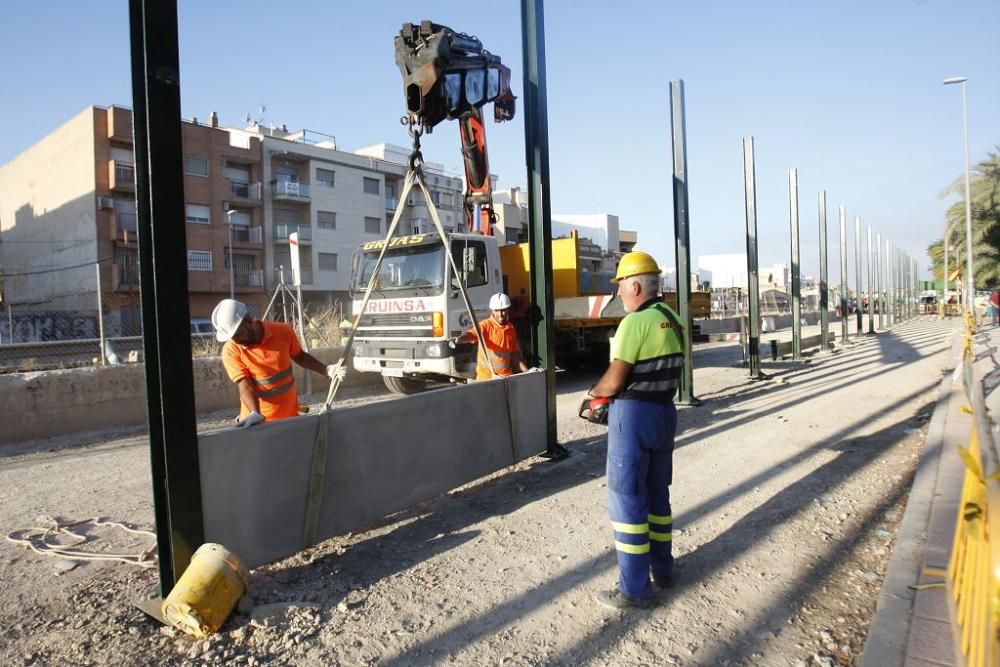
787	496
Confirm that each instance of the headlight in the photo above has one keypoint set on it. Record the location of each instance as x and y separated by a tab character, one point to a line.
438	350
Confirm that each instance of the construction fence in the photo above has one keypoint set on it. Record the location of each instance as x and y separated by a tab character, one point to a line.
974	569
70	317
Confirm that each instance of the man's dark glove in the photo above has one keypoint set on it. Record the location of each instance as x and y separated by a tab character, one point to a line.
595	410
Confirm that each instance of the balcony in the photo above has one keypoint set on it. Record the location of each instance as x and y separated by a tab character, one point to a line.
245	191
290	191
121	176
248	235
125	273
124	226
281	232
391	203
253	278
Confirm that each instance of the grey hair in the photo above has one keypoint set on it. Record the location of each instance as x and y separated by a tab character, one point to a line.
649	283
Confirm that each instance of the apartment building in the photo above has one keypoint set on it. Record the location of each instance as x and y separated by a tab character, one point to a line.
67	203
337	200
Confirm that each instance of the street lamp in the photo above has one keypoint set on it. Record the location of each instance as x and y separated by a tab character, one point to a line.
970	285
232	284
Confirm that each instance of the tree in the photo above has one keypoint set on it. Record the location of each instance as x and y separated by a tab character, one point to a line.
984	188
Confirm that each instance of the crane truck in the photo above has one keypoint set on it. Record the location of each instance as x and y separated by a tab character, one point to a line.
411	329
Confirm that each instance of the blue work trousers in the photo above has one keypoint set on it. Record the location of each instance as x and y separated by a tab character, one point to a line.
640	469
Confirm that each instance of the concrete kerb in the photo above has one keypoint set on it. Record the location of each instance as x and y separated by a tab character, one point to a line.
888	635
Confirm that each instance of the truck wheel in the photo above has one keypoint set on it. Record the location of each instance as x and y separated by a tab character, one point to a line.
405	385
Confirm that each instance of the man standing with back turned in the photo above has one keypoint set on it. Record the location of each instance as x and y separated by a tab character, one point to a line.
647	354
258	357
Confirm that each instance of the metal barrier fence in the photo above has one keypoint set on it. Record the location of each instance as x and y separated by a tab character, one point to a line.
70	318
974	569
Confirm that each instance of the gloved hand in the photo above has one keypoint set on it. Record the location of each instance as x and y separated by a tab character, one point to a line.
251	419
335	371
595	410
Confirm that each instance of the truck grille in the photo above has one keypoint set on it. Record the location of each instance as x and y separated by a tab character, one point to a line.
396	325
413	320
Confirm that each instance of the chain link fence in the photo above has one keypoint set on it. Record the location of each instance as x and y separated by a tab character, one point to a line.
73	316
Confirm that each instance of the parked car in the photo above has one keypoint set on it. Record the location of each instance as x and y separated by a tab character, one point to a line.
202	325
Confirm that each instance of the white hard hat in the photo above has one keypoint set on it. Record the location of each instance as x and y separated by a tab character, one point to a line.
499	301
226	318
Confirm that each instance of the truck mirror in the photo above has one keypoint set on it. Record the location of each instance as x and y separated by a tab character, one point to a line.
469	259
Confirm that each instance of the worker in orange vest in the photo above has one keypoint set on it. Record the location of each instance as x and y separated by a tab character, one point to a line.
501	350
258	357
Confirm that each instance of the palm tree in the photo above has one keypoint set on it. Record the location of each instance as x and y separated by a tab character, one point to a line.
984	188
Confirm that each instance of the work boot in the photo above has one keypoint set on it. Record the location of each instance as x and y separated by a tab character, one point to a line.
555	453
615	599
662	582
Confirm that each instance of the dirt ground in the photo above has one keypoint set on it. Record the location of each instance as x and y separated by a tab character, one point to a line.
786	499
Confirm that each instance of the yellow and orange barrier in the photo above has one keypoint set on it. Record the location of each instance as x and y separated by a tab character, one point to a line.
974	569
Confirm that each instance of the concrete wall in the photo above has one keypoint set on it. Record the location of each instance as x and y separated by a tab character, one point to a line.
49	403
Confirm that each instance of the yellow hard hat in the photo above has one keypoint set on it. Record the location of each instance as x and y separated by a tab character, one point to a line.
635	263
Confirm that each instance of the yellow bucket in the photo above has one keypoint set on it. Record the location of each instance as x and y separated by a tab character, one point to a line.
207	591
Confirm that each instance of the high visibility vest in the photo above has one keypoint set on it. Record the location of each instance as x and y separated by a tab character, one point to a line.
498	350
268	365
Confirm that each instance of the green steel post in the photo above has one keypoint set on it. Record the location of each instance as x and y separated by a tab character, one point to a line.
793	214
536	152
164	287
678	137
753	279
824	283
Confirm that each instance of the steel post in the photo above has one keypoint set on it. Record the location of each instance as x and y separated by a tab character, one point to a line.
858	310
844	303
793	214
678	138
753	279
890	286
536	140
100	313
163	285
824	284
871	284
879	284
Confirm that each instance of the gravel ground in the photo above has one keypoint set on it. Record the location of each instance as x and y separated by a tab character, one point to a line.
787	495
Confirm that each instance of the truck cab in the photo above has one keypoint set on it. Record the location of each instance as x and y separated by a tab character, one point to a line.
416	310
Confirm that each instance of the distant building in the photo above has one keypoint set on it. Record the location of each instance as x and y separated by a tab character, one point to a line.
68	202
601	229
338	200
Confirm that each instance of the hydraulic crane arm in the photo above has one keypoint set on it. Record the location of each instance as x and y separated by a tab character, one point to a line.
450	76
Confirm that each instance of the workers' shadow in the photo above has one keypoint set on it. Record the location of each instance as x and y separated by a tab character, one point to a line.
696	567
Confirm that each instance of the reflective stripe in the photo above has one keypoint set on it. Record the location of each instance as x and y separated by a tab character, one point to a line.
274	378
270	393
632	548
661	519
631	528
660	537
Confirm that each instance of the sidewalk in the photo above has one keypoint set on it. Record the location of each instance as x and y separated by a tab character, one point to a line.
916	627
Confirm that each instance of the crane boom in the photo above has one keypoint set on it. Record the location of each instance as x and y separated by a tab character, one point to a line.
448	75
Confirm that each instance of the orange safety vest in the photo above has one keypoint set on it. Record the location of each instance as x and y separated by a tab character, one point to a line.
268	364
498	351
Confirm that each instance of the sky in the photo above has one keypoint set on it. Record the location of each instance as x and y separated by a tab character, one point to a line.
848	93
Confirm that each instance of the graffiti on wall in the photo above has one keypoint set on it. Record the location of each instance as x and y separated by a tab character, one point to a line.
43	326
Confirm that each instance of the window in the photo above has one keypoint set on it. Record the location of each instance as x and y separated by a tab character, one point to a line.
326	219
286	174
436	197
196	166
470	258
373	225
196	213
199	260
325	177
371	186
327	261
